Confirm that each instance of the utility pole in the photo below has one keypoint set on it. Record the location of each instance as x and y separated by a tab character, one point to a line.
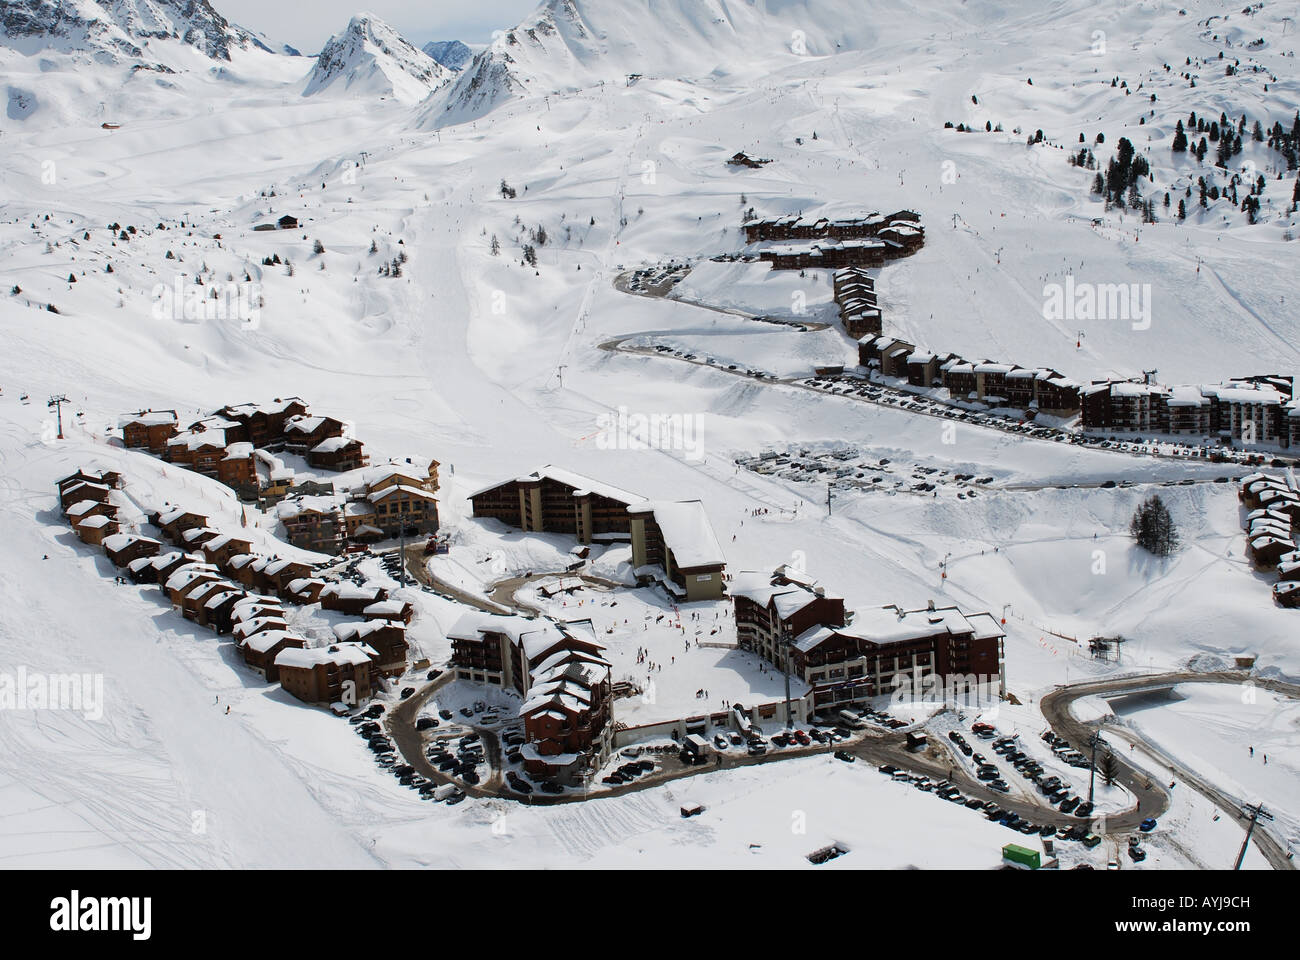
789	722
402	554
1092	767
1255	813
829	497
57	403
559	372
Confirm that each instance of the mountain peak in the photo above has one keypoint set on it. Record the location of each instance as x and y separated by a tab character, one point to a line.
113	30
452	54
371	58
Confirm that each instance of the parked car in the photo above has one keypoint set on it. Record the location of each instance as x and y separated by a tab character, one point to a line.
721	742
845	756
1147	825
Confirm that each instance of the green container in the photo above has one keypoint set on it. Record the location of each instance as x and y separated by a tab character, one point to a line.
1021	855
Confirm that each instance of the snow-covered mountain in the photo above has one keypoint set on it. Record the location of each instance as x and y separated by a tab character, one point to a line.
370	58
452	54
114	30
567	45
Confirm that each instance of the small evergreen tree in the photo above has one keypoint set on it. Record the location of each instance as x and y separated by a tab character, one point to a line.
1180	139
1153	528
1108	767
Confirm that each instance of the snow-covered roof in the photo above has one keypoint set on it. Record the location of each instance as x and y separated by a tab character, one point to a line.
267	640
176	513
384	608
890	625
1127	389
148	418
387	492
120	541
686	532
198	441
334	444
354	630
288	509
342	654
581	485
346	590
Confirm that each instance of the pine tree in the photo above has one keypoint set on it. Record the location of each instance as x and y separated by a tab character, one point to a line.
496	246
1182	209
1108	767
1180	139
1153	528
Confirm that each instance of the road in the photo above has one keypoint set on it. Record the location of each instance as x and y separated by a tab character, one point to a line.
619	345
1056	709
877	748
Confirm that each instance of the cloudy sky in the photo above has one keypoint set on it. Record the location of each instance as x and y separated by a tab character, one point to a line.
308	26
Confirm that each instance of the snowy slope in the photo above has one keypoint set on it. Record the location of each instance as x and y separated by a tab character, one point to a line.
370	59
495	367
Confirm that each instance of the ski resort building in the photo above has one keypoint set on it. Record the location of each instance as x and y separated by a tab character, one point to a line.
312	523
554	500
150	429
1253	410
558	671
340	673
674	544
849	657
263	423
